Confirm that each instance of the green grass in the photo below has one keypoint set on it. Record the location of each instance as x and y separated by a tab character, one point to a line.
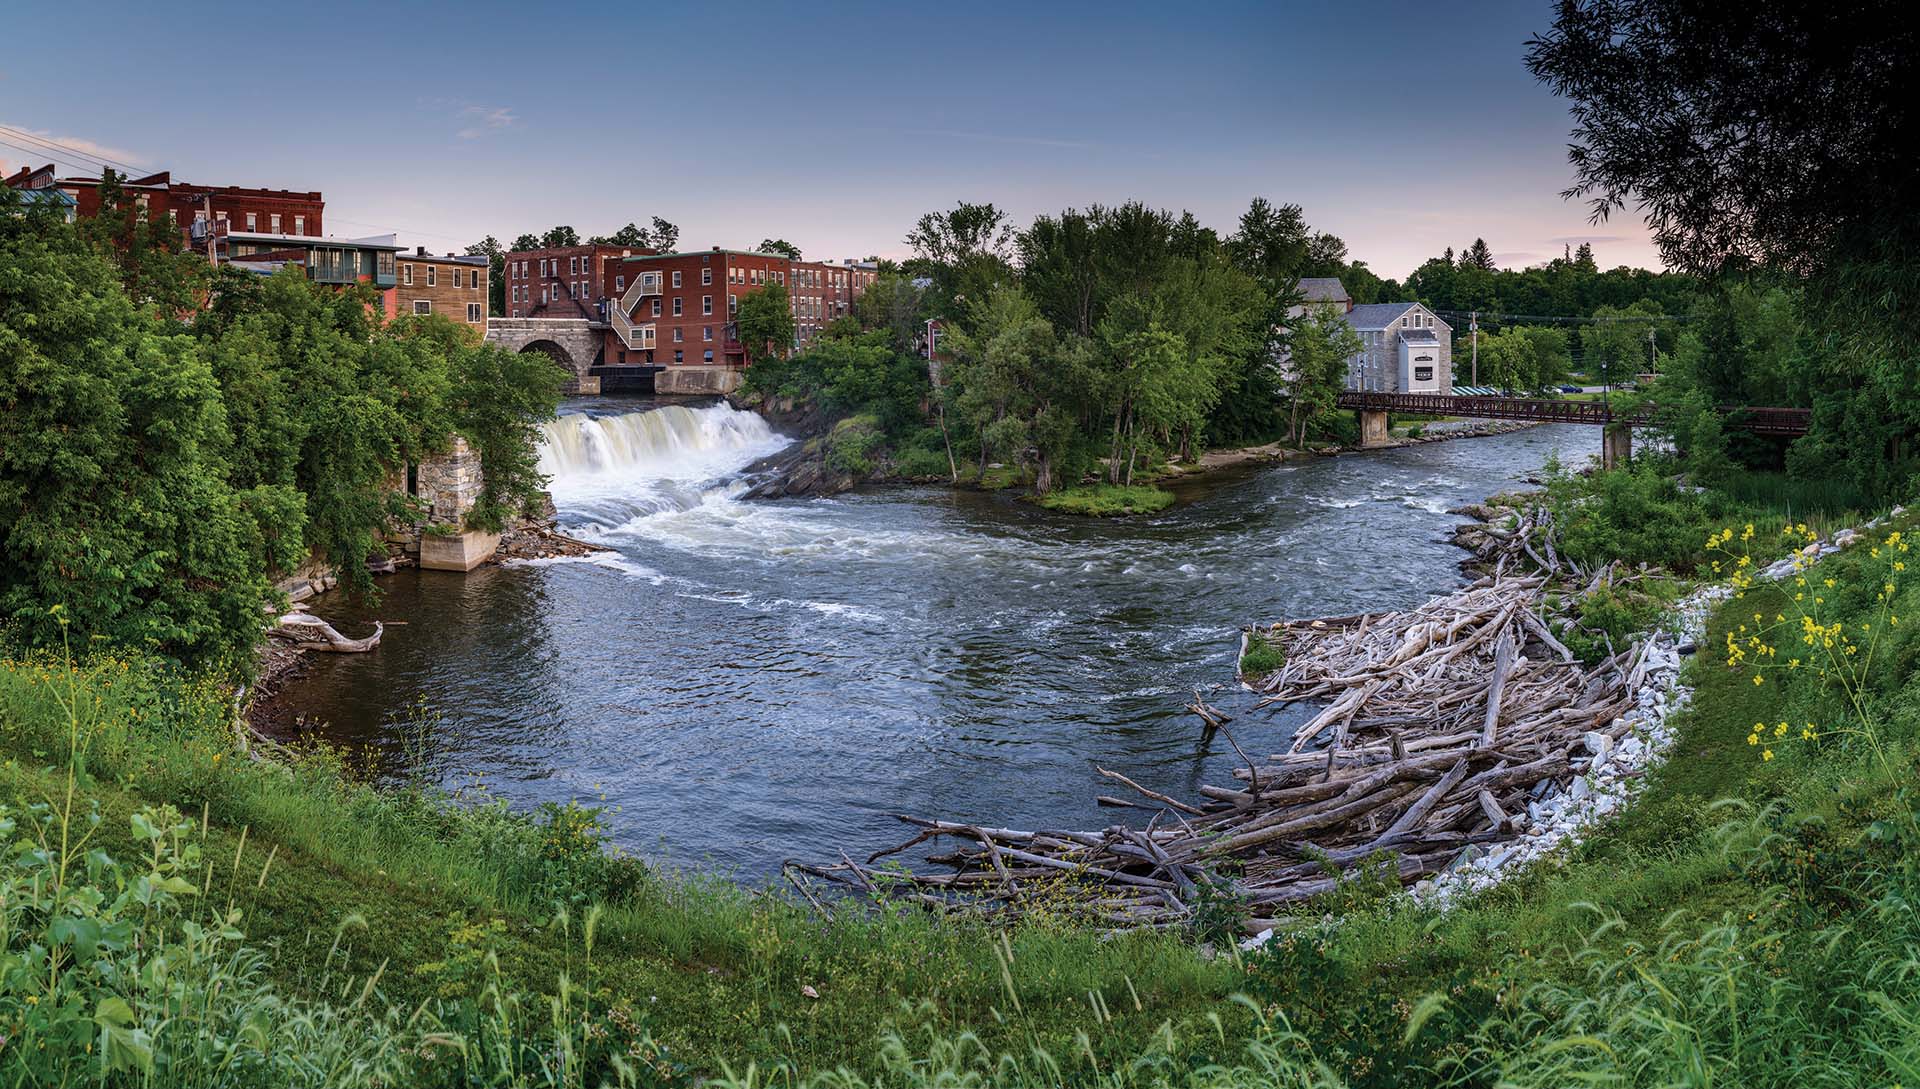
1263	656
1107	500
1747	922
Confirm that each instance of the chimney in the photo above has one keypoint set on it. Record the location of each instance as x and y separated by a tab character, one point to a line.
419	251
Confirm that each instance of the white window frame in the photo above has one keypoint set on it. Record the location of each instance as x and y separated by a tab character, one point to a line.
433	276
423	306
406	274
706	305
253	221
474	313
300	225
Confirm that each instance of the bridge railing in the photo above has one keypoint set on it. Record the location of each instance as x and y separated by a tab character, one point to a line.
1760	420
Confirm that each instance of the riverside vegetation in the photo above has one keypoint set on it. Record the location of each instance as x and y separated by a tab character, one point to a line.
176	911
323	932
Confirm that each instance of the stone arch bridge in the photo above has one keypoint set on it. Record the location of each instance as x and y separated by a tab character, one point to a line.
573	343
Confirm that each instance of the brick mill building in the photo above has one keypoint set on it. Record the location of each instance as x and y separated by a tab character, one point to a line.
667	309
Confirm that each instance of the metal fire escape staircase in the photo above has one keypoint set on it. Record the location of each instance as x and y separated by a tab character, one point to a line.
637	337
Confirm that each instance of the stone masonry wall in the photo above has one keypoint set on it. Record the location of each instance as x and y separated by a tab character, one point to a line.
450	483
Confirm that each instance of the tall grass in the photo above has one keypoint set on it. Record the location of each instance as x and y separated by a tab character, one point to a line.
1751	921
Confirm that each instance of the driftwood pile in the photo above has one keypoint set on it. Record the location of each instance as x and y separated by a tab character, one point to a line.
1437	726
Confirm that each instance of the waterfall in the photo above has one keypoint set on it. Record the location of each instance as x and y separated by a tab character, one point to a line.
650	459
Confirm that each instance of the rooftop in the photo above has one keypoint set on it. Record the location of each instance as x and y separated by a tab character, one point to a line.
371	242
1318	289
1376	315
704	253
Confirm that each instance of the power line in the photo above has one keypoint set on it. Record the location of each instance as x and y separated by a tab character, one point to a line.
1488	315
41	146
66	152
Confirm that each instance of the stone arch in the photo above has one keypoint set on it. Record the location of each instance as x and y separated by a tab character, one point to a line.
570	342
553	350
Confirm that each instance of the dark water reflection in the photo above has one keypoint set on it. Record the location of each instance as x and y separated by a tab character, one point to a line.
756	681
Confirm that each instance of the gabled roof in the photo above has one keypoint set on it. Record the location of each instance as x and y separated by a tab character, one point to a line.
1320	289
1419	336
1376	315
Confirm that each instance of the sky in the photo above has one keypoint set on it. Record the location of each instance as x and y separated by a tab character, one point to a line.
1402	128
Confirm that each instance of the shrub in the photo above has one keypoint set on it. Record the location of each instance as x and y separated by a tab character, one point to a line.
1263	655
852	443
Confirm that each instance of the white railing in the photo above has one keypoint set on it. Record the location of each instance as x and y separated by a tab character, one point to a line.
637	338
646	283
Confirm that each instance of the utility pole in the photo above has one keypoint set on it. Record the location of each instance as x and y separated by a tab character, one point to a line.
1473	325
1653	353
212	257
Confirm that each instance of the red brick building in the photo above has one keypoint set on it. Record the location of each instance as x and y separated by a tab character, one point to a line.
565	281
675	308
254	211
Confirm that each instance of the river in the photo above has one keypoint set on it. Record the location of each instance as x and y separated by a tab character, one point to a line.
742	682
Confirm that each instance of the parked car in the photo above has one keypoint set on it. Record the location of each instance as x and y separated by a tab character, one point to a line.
1569	389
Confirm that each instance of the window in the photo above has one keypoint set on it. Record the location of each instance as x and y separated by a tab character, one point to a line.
1423	374
706	277
253	221
706	332
656	308
679	335
733	305
299	224
422	306
706	304
406	275
573	266
433	276
707	356
571	293
273	223
679	356
543	295
473	313
456	278
676	306
620	284
676	281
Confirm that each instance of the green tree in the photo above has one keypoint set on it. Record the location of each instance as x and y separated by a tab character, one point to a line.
1020	387
496	256
780	246
965	251
1320	343
559	236
114	501
661	237
1616	345
1477	256
765	322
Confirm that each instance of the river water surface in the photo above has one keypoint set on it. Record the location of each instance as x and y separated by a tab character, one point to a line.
744	682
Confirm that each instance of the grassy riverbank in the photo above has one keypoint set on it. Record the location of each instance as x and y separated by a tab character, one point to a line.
1745	923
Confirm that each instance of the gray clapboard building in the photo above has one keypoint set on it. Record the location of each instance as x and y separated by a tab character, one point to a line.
1404	347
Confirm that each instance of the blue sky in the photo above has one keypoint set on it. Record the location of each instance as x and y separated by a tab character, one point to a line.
1403	128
